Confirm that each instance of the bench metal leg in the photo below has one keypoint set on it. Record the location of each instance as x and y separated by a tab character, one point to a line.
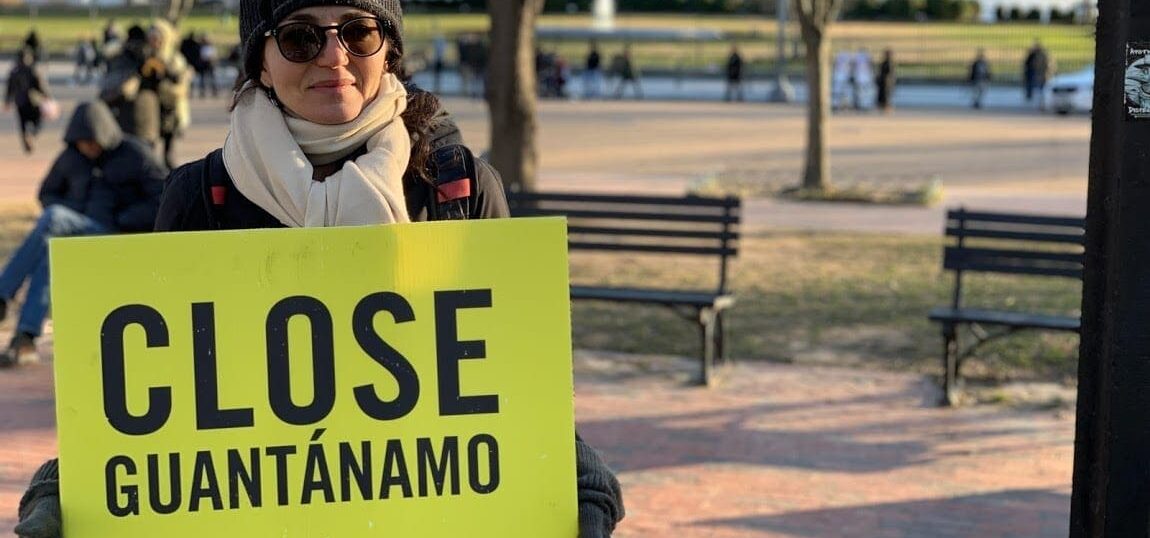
721	353
950	364
707	332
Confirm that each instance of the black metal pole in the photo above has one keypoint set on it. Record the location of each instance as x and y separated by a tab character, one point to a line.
1111	496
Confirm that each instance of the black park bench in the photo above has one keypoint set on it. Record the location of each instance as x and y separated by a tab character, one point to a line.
688	226
1009	243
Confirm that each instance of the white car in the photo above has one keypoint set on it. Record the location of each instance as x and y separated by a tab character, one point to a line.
1072	92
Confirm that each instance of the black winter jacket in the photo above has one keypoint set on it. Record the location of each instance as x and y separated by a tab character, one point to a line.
121	189
27	87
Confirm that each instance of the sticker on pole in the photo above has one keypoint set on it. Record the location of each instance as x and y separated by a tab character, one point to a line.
1136	84
405	380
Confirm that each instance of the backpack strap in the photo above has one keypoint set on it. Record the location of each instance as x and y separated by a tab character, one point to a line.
454	186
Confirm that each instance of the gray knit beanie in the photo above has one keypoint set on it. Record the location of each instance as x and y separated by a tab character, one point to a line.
259	16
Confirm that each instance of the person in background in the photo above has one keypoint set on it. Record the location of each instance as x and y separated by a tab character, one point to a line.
841	79
190	47
861	79
209	57
32	43
1037	68
120	89
593	73
27	90
103	182
165	74
438	60
111	32
886	81
85	58
734	75
979	78
624	66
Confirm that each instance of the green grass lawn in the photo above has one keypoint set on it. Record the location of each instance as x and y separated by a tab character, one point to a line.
923	50
838	298
830	298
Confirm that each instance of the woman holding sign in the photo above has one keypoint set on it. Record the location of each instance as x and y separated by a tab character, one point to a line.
324	132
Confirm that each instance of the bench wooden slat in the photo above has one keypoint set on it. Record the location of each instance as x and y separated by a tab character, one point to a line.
583	229
1020	256
652	248
625	215
1020	262
698	201
1006	318
1074	238
1015	218
653	295
1075	272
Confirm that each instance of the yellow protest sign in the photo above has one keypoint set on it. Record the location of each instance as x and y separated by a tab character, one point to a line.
406	380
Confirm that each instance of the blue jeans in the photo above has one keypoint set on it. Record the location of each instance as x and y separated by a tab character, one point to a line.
30	262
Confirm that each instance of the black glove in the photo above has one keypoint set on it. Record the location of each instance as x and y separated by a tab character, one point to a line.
40	506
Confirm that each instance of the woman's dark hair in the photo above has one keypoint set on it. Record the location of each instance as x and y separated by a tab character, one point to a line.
421	108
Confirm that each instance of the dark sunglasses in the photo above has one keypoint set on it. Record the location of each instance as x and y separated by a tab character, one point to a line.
302	42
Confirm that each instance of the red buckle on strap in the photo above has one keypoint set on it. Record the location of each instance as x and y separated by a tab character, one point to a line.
460	188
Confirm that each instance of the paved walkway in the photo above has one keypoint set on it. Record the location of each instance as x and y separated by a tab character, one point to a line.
775	451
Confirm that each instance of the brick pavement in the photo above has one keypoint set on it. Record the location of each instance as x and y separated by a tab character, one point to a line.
775	451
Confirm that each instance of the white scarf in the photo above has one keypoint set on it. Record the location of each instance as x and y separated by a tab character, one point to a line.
270	158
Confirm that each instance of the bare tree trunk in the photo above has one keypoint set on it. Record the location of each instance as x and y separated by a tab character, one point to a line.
815	17
511	91
817	171
178	10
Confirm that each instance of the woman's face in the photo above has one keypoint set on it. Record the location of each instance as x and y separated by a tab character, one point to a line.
334	87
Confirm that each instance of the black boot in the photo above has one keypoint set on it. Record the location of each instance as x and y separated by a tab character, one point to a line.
22	349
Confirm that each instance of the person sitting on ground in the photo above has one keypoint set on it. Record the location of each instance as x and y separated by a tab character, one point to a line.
104	182
324	132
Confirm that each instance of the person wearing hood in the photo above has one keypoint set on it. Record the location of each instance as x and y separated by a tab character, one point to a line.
166	75
325	132
27	89
137	112
103	182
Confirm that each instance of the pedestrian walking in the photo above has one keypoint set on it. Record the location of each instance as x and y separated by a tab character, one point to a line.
438	61
841	79
206	68
1037	68
624	66
103	182
166	76
734	76
979	78
861	79
84	54
886	81
472	65
120	89
111	32
28	91
32	43
358	151
593	73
